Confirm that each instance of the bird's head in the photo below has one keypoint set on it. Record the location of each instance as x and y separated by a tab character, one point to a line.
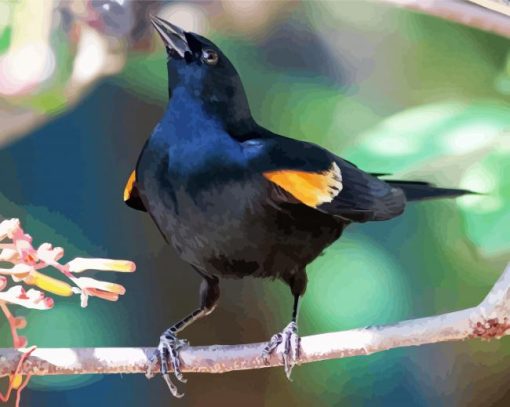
199	68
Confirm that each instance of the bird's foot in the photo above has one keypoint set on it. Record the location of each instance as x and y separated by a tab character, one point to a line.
167	353
291	343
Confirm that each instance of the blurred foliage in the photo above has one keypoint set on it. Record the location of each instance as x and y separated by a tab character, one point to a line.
52	52
453	144
356	266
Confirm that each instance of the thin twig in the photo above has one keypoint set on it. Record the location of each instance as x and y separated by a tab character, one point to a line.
459	11
490	319
23	357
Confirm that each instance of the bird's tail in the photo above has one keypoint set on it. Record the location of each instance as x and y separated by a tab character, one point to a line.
418	191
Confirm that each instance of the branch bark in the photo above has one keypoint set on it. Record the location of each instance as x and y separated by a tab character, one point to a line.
490	319
460	11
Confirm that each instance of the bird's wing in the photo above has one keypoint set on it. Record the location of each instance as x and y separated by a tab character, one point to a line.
131	194
304	173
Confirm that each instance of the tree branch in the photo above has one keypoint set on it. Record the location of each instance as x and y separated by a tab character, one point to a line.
462	12
490	319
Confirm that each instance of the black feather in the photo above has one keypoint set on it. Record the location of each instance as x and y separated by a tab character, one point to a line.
419	191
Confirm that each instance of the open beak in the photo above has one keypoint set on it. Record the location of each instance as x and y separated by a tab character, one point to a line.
172	36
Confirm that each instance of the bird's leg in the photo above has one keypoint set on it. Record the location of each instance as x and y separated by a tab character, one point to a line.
167	351
290	339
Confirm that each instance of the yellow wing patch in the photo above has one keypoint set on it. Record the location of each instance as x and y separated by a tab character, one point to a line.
310	188
129	186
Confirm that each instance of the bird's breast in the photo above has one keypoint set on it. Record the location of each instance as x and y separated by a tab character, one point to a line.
217	213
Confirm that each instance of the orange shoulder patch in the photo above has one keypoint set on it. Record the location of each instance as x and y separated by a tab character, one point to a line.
310	188
129	186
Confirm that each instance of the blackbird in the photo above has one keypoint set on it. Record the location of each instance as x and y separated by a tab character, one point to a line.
236	200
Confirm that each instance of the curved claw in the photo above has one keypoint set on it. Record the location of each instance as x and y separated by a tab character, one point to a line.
291	353
167	353
172	387
153	361
291	347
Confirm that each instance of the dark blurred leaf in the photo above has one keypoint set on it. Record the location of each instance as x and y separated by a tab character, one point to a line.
146	75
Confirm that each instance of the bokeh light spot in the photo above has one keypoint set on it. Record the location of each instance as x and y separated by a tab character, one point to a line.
353	284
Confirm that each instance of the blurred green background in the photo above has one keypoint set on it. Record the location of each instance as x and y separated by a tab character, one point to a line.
82	84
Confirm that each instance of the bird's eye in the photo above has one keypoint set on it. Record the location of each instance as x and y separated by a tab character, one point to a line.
210	57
